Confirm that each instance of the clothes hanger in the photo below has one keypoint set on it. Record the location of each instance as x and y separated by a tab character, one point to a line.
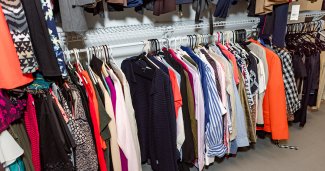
78	63
189	40
146	59
91	74
110	54
67	57
196	38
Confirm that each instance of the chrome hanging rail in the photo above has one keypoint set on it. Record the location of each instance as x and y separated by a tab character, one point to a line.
149	30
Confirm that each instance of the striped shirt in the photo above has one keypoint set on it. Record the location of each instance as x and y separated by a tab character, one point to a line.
213	108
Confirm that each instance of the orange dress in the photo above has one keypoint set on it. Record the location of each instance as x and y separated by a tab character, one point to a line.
274	103
11	75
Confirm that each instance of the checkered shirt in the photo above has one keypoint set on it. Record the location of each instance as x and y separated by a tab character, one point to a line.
293	102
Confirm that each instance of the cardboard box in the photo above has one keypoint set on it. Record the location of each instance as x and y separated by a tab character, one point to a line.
313	5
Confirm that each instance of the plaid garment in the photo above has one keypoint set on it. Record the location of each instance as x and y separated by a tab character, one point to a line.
293	102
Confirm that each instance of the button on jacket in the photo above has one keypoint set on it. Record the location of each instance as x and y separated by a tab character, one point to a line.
154	112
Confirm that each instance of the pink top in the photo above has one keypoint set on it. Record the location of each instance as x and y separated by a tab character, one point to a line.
33	133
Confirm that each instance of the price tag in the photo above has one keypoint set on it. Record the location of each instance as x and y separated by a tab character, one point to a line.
295	12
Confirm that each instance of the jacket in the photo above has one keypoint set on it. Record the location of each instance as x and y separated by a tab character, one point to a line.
274	103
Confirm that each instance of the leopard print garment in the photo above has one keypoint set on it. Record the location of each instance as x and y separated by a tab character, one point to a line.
86	157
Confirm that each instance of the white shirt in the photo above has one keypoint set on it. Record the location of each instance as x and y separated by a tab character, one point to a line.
128	103
9	149
127	140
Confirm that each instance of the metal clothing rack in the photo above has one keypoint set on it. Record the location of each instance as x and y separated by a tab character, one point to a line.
136	48
150	30
132	36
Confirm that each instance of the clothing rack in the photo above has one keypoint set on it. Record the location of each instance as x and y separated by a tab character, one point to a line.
136	48
313	26
149	30
119	37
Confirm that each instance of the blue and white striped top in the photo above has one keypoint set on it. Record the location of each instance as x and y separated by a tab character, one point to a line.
213	108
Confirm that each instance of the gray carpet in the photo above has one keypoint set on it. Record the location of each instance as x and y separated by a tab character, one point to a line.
268	157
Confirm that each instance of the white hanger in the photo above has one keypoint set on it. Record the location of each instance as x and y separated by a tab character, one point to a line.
146	46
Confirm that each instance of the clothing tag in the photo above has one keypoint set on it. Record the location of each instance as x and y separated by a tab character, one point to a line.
295	12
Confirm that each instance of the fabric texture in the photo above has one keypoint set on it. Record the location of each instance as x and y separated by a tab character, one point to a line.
232	58
280	24
18	165
41	40
92	101
213	109
9	149
11	75
73	18
33	132
321	87
228	68
50	22
56	143
156	122
80	131
293	102
274	107
127	140
195	87
261	54
164	6
312	71
190	123
115	150
18	131
9	112
15	15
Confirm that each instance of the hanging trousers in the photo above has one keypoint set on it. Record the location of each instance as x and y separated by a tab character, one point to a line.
321	86
312	67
